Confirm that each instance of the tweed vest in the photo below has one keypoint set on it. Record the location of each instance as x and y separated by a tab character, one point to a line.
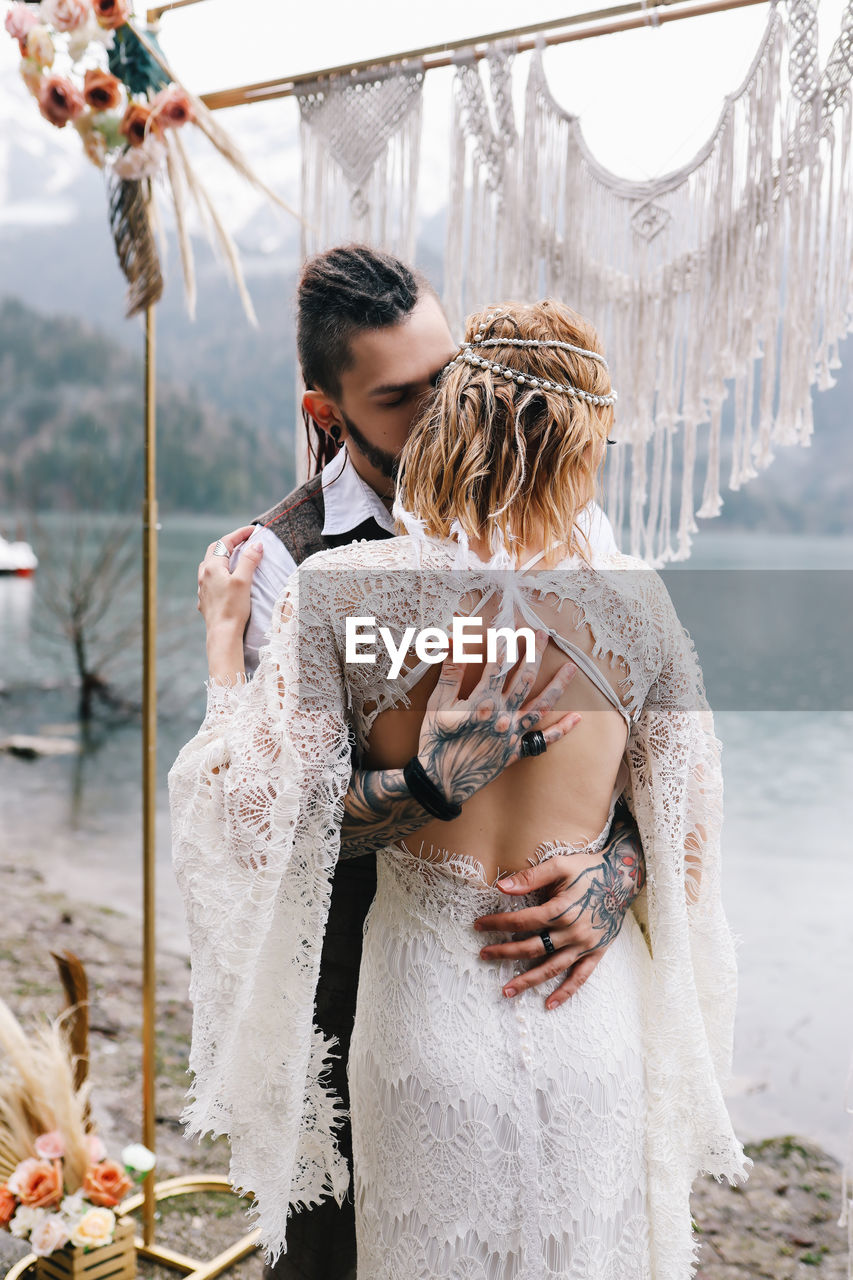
297	521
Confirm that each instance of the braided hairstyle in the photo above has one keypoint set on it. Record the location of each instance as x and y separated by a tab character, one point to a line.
342	292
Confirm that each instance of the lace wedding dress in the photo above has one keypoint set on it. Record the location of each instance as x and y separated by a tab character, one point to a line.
492	1139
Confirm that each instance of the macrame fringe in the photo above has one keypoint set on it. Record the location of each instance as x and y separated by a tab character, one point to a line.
484	205
360	139
723	289
361	151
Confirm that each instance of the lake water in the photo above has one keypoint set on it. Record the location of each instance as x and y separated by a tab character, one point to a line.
773	637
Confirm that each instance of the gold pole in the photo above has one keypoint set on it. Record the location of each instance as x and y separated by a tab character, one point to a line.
434	55
149	759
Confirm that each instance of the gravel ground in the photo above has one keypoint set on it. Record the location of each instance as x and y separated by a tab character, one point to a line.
782	1225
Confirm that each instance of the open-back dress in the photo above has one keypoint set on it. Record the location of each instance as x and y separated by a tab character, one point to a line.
492	1139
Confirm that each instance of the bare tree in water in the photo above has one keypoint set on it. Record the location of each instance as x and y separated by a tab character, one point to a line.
89	591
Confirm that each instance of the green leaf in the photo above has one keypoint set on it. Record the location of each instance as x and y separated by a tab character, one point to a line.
133	64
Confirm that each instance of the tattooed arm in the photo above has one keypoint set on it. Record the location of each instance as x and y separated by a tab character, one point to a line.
589	895
464	743
378	809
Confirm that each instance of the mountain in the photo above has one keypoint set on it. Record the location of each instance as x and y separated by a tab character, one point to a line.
804	490
71	429
56	255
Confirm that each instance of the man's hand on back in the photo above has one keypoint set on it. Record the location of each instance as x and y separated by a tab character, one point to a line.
588	896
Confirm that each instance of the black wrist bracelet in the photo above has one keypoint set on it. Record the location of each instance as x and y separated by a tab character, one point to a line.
427	794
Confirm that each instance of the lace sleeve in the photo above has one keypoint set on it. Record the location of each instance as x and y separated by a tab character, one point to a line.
676	794
256	801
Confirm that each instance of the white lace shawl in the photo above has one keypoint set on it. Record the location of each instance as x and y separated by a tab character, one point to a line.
257	802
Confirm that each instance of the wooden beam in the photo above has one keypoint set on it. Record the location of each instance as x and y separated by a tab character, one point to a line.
625	17
155	14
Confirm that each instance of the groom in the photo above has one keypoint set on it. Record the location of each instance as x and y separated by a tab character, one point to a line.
372	341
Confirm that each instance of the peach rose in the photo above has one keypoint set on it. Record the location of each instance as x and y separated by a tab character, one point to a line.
60	101
50	1146
172	107
111	13
66	15
40	47
20	21
94	1228
101	90
20	1173
51	1233
106	1183
8	1205
37	1183
135	124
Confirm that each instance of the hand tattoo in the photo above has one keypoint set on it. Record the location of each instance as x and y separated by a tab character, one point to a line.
464	756
615	882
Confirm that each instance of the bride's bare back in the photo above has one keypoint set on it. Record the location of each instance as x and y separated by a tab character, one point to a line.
563	795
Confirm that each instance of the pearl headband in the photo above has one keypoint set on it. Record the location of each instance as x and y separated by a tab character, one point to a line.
512	375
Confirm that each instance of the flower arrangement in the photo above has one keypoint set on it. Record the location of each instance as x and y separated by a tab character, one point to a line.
57	1185
80	62
88	65
36	1203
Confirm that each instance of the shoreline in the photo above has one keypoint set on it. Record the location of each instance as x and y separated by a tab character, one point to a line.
781	1225
93	865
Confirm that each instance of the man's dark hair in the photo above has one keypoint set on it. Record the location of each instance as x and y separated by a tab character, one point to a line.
342	292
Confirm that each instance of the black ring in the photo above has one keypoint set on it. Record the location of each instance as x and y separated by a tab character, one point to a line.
533	743
549	946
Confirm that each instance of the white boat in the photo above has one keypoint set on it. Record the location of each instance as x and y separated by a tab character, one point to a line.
17	557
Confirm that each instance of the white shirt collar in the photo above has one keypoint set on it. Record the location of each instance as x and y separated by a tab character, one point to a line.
348	499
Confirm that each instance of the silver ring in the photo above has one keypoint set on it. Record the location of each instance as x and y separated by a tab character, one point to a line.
220	549
547	943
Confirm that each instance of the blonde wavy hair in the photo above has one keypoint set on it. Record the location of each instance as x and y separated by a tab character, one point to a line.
506	458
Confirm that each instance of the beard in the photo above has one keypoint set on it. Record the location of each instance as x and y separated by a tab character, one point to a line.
385	462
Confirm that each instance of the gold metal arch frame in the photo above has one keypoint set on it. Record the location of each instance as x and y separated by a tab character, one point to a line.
609	21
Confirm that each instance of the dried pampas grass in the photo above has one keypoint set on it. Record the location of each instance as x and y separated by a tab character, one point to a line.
38	1094
185	184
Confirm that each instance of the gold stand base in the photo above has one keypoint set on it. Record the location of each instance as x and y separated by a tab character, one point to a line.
192	1267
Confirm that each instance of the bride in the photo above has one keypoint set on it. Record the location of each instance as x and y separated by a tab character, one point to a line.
492	1138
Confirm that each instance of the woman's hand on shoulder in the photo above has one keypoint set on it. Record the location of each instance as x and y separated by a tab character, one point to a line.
224	597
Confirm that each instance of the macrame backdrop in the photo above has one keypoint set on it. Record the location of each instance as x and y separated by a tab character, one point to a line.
360	139
726	281
483	218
